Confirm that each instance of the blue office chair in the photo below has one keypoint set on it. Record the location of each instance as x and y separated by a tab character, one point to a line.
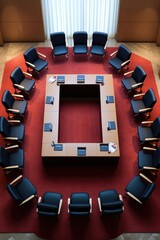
149	132
49	204
21	190
99	40
14	104
35	61
120	58
140	188
80	42
22	82
142	104
79	204
110	202
133	81
58	44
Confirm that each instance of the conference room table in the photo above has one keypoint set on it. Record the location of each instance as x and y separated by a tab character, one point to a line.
108	148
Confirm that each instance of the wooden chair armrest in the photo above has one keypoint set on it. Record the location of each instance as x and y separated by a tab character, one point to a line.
127	73
11	138
145	110
14	122
27	199
137	85
144	177
138	95
11	167
18	86
150	168
16	179
51	45
90	201
18	96
69	200
12	110
39	199
144	123
41	55
120	197
149	149
124	63
60	205
151	139
28	75
112	54
30	64
132	196
99	204
11	147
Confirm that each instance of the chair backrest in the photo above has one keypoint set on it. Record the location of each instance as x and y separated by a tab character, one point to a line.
7	99
4	127
58	39
17	76
156	158
149	99
156	127
80	38
139	74
147	191
31	55
99	38
3	157
123	53
14	193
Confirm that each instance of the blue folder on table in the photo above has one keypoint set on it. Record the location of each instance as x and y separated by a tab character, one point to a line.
48	127
111	125
60	79
80	78
100	79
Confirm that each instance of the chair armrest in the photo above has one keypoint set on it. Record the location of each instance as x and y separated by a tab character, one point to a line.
28	75
127	73
151	139
138	95
145	110
18	96
11	138
12	110
30	64
27	199
146	123
51	45
137	84
90	201
11	167
12	147
69	200
112	54
144	177
132	196
18	86
39	199
60	205
41	55
121	199
14	122
16	179
124	63
99	204
149	149
150	168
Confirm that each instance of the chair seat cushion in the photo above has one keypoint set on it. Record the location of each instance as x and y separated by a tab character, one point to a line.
40	64
52	198
20	105
136	105
97	50
27	84
144	132
25	188
17	131
60	50
136	187
145	159
128	82
115	62
16	158
80	49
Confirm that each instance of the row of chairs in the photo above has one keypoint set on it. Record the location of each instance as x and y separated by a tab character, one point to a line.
141	187
80	39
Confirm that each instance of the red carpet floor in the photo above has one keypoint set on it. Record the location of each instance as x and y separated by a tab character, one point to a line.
67	179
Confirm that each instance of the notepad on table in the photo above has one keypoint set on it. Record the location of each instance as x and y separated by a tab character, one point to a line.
111	125
81	151
60	79
100	79
109	99
80	78
48	127
49	100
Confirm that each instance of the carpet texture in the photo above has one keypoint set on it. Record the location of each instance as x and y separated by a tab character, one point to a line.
67	179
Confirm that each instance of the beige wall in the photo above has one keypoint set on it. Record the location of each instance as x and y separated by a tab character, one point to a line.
139	21
21	20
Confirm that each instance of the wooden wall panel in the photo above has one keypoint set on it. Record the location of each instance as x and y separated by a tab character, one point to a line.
21	20
138	20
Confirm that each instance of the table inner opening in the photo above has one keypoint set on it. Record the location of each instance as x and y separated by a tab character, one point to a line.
80	114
